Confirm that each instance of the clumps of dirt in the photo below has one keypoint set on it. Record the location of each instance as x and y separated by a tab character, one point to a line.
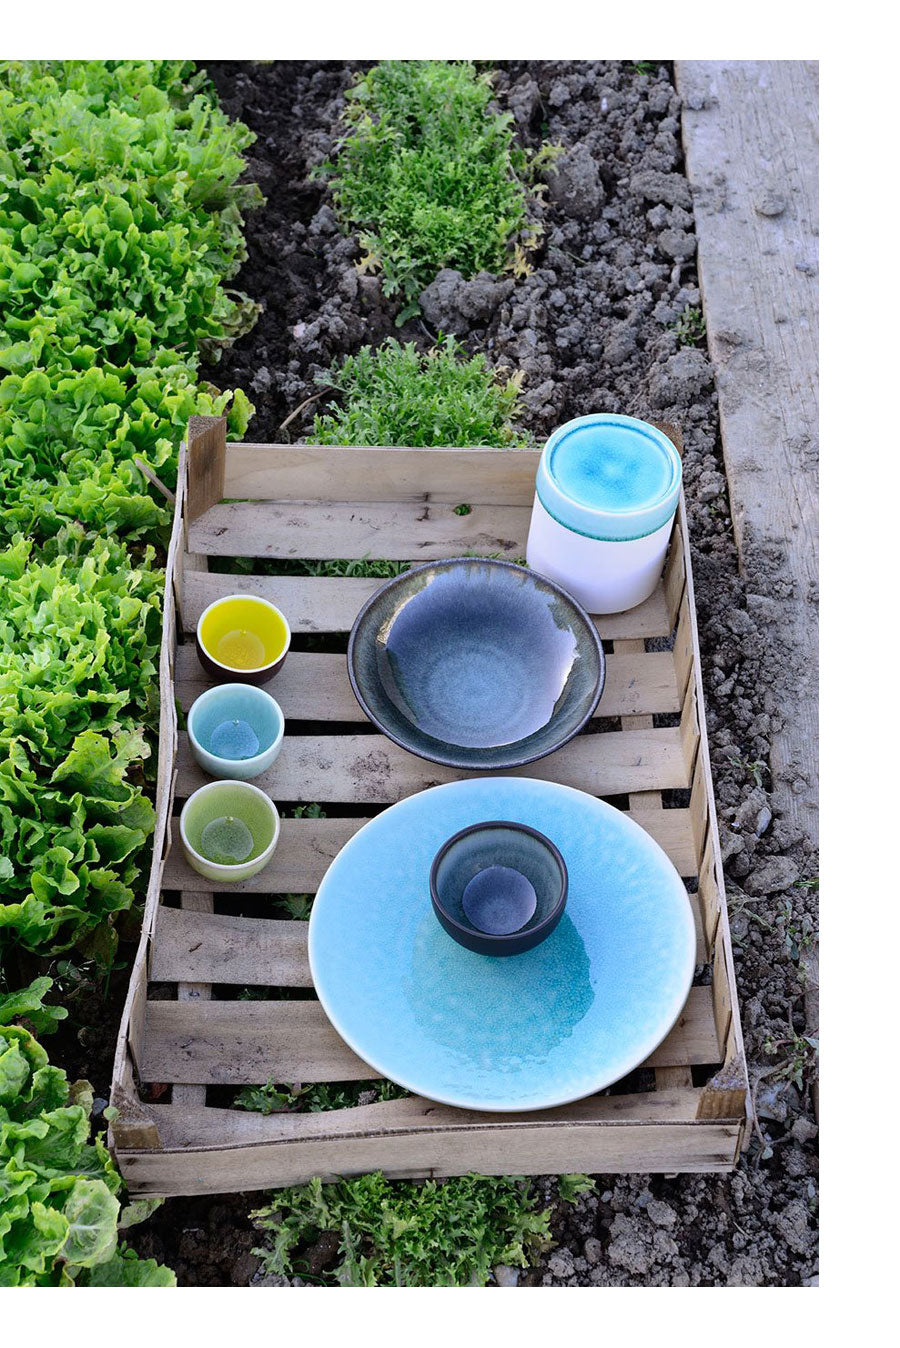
692	1231
207	1241
300	267
608	319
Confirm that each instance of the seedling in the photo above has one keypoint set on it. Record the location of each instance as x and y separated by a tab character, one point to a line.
690	328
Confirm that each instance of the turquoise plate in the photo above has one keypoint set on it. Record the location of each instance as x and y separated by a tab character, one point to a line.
525	1032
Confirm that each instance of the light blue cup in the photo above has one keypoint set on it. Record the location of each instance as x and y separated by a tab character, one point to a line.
235	730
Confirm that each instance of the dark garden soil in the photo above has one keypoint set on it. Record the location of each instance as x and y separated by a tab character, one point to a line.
594	327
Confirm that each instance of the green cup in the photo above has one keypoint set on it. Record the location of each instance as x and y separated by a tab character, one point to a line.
229	830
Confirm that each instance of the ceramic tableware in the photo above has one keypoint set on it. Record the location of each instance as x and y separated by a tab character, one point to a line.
235	730
229	830
498	888
242	638
606	494
559	1022
476	664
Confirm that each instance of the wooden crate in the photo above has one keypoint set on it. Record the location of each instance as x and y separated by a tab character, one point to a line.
184	1026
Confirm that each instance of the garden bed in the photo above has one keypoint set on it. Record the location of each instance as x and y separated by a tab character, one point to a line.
609	318
758	1226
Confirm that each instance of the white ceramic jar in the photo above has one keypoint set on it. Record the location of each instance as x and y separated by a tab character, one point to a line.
606	493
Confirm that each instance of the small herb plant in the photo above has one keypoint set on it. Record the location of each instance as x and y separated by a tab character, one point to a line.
429	176
447	1233
397	395
690	327
316	1098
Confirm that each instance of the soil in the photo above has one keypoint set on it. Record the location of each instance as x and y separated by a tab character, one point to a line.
592	328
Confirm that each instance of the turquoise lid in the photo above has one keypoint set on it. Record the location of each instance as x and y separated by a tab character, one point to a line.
609	477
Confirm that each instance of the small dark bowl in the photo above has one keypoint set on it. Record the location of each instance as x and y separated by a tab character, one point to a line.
507	875
475	663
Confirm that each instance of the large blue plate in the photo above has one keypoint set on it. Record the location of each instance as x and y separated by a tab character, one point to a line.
523	1032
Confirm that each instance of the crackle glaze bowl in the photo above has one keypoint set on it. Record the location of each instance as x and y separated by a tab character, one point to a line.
235	730
498	888
242	638
229	830
475	663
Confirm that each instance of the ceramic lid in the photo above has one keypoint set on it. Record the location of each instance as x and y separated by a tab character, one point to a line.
609	477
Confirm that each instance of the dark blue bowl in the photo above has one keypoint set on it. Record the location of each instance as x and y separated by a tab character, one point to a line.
475	664
499	888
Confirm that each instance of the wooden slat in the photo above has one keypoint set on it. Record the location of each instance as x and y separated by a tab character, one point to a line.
202	948
673	575
216	948
708	895
199	1128
205	467
751	139
436	475
315	687
193	985
370	768
242	1043
520	1148
307	847
396	530
330	603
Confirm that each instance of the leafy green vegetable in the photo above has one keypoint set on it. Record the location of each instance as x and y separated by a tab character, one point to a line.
435	1234
429	177
396	395
120	219
571	1187
58	1203
79	640
29	1005
125	1269
317	1097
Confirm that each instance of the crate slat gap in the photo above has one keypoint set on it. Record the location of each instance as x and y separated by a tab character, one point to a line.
276	501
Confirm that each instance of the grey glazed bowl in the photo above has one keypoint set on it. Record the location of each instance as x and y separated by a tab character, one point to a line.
476	664
481	852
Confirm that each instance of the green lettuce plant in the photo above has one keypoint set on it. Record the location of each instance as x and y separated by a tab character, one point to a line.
59	1209
121	221
397	395
79	640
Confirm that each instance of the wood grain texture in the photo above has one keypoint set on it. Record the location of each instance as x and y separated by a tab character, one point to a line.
315	604
519	1148
316	687
191	948
242	1043
371	769
399	531
325	472
307	847
751	146
205	481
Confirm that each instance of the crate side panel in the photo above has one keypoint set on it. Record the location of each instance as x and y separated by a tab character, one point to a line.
246	1043
371	769
396	531
440	475
553	1149
314	604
